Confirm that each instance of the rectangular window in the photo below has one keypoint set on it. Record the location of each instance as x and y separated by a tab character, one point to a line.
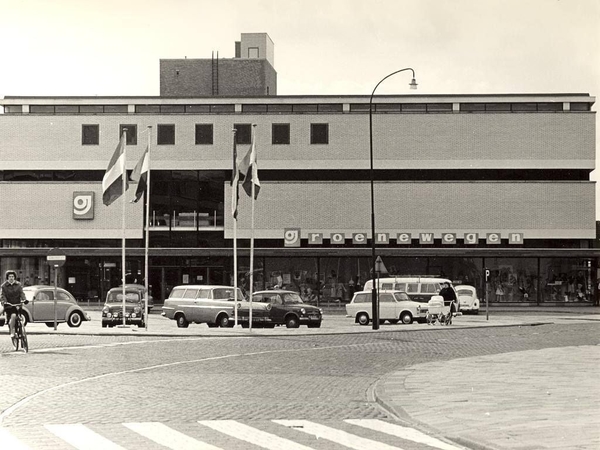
131	137
165	134
204	134
497	106
243	133
279	108
414	107
304	108
471	107
386	107
148	109
524	107
41	109
580	106
90	134
439	107
319	133
115	109
330	107
281	133
66	109
91	109
172	109
251	108
222	108
197	109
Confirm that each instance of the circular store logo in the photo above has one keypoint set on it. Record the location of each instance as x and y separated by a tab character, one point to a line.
83	205
291	237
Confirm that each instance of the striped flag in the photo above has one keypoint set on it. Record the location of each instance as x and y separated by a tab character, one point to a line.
140	175
112	182
235	182
249	168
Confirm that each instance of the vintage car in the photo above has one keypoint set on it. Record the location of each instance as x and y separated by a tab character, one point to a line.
394	306
468	302
41	307
112	312
279	307
142	290
192	303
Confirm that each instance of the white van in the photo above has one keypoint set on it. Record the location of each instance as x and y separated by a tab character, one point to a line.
419	289
212	305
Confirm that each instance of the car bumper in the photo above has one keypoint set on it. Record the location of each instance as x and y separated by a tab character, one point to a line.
119	320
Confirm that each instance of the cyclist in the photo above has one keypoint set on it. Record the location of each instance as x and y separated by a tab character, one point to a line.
11	294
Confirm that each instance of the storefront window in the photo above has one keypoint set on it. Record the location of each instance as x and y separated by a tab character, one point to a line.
566	280
512	280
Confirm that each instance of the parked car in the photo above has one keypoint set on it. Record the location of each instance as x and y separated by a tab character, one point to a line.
467	299
112	312
418	288
279	307
212	305
394	306
41	307
142	290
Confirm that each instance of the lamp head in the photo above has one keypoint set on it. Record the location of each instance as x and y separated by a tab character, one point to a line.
413	84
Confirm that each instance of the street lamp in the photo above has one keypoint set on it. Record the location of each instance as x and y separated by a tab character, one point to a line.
374	302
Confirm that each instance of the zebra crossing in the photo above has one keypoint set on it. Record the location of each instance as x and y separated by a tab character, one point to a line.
356	434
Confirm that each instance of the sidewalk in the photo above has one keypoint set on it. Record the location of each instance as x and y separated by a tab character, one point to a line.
542	399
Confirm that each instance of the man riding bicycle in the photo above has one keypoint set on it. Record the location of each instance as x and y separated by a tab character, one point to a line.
11	294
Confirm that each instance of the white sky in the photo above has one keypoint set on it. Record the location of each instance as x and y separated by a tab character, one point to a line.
113	47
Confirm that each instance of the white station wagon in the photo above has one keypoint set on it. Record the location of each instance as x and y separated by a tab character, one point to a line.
212	305
394	306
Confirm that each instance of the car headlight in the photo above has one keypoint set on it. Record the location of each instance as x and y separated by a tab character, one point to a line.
321	311
137	309
108	314
133	316
302	311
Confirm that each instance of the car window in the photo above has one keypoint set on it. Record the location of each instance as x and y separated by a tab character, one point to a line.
400	287
63	296
203	293
386	298
401	296
464	292
428	288
190	293
44	295
412	287
28	295
177	293
292	299
117	296
386	286
223	294
362	298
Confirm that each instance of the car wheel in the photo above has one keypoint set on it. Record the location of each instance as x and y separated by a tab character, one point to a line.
393	321
363	319
314	325
50	324
182	321
142	324
223	320
406	318
292	322
475	311
269	325
245	325
74	320
104	325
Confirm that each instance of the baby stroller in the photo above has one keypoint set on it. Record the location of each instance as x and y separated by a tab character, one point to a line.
437	312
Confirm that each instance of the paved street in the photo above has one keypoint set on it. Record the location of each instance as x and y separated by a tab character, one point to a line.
468	386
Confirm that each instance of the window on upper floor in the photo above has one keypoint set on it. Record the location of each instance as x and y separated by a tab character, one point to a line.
90	134
204	134
165	134
243	133
319	133
131	136
280	133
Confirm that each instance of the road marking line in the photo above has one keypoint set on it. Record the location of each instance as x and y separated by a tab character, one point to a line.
338	436
82	438
252	435
407	433
168	437
11	442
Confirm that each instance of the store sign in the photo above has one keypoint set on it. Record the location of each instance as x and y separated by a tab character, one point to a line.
83	205
292	238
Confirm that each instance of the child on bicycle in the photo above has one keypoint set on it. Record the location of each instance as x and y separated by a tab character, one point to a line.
11	294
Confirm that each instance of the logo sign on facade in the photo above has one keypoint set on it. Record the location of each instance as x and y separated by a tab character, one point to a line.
448	238
493	238
83	205
291	237
359	238
471	238
338	238
515	238
315	238
425	238
404	238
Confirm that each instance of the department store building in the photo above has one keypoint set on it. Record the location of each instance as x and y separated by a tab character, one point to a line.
461	183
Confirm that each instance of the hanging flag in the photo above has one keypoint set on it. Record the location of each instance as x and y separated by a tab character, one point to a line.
235	181
112	182
140	175
249	169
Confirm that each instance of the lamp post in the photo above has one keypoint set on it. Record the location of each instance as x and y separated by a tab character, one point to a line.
374	302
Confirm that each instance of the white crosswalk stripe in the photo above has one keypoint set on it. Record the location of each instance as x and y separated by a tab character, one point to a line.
402	432
82	438
252	435
168	437
8	441
338	436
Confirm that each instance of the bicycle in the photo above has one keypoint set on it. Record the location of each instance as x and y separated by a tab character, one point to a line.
20	337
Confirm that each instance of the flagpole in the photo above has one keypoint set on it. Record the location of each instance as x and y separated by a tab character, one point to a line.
146	270
234	195
253	161
124	202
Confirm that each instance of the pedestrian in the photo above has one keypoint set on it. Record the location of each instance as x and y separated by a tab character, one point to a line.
449	297
11	294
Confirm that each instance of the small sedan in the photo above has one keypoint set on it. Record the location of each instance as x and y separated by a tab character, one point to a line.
279	307
467	299
112	312
41	307
394	306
